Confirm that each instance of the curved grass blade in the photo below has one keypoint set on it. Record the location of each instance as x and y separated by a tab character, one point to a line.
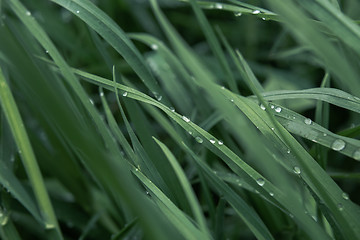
114	35
331	95
231	159
337	22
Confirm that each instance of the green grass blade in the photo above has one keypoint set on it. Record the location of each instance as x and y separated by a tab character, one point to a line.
190	195
27	155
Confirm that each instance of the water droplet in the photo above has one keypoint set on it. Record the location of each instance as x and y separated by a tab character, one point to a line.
340	206
147	193
272	106
190	132
273	129
237	14
260	182
49	226
154	46
199	139
185	119
263	19
356	155
157	96
297	170
77	11
47	51
324	134
262	107
220	142
256	12
212	141
172	109
345	196
290	215
136	169
288	151
307	121
271	194
91	101
101	94
125	94
28	13
314	218
222	87
231	100
278	109
219	6
338	145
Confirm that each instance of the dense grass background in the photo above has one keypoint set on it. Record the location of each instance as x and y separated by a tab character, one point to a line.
155	119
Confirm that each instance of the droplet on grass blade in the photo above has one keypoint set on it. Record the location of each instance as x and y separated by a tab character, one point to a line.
307	121
345	196
356	155
199	139
220	142
237	14
260	182
28	13
340	206
278	109
338	145
154	46
125	94
297	170
77	11
262	107
185	119
219	6
212	141
256	11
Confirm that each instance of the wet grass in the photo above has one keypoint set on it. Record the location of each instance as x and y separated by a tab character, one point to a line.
185	120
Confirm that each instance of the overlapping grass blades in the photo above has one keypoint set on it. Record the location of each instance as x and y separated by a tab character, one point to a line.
185	144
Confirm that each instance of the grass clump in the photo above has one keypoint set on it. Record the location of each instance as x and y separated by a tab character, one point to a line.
179	119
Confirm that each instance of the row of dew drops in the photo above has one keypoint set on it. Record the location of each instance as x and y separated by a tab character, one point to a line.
337	145
236	14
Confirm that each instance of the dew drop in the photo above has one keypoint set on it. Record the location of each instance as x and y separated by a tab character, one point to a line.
219	6
154	46
278	109
91	101
262	107
256	12
345	196
47	51
125	94
199	139
340	206
28	13
314	218
263	19
237	14
222	87
271	194
212	141
136	169
338	145
190	132
260	182
147	193
101	94
324	134
307	121
272	106
288	151
297	170
77	11
356	155
185	119
172	109
220	142
231	100
49	226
